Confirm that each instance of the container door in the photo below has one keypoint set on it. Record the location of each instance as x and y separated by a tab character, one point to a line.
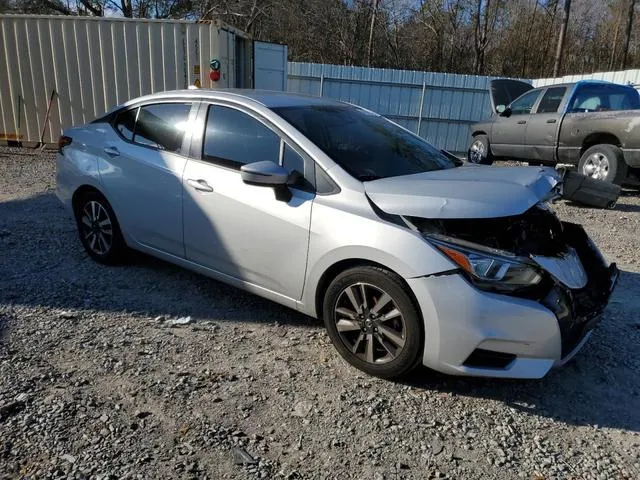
269	66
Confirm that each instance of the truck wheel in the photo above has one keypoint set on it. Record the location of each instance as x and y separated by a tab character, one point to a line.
479	151
604	162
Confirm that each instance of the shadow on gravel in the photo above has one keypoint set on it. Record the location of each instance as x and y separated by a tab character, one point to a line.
600	386
43	264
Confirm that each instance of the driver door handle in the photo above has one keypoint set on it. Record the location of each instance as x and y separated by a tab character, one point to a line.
200	185
112	151
551	120
521	122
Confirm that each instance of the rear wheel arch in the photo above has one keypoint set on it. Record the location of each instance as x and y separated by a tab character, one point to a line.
80	192
599	138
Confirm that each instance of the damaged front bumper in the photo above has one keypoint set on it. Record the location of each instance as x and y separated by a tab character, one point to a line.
481	333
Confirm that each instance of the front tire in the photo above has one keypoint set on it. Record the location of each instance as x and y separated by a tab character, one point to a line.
373	321
480	151
99	230
604	162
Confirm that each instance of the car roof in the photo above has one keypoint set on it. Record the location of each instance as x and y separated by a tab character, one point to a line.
582	82
268	98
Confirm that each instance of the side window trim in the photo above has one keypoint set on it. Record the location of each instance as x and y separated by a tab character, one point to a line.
184	148
114	118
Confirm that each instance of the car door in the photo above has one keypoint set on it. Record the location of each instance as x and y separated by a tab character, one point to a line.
509	129
544	124
246	231
141	167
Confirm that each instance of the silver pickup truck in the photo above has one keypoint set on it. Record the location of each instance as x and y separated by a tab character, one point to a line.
592	124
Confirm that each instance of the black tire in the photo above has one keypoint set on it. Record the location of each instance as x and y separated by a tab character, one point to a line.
480	151
384	335
109	249
593	161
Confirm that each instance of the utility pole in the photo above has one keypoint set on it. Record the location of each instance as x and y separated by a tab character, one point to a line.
632	7
563	33
373	23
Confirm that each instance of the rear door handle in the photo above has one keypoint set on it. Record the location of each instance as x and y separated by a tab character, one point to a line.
522	122
112	151
200	185
551	120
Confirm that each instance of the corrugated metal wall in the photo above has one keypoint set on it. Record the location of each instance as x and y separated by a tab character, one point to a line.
440	107
623	77
93	64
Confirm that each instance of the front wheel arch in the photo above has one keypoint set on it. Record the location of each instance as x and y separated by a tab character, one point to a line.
343	265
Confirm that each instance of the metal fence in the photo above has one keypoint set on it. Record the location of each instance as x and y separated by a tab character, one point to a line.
439	107
624	77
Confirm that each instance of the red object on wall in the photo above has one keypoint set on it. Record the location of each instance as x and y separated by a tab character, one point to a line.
214	75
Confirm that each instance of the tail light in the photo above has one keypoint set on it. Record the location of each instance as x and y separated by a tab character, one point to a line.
63	141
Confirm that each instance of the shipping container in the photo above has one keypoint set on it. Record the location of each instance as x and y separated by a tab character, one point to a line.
59	71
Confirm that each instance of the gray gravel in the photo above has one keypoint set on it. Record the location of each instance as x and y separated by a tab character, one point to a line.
100	381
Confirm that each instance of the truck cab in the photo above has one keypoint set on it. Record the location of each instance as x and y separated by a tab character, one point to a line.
559	124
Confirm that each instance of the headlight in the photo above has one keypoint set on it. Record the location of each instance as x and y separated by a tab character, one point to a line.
488	268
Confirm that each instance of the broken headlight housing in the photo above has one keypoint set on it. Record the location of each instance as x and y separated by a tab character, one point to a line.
488	268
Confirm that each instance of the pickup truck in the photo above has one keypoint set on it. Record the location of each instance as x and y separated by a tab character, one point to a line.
592	124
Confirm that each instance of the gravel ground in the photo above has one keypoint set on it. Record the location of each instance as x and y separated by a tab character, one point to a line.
98	380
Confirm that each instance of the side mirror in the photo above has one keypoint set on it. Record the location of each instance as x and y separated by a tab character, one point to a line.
506	112
264	173
500	108
267	174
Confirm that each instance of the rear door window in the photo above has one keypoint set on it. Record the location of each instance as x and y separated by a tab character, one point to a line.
551	100
162	125
234	138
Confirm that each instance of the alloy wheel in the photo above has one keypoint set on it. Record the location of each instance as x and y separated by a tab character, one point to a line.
476	151
369	323
596	166
96	227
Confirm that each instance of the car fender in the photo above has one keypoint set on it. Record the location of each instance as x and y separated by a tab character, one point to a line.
340	237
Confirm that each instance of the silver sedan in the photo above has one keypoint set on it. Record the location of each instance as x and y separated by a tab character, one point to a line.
407	255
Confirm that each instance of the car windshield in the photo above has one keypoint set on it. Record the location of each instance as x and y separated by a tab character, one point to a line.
365	144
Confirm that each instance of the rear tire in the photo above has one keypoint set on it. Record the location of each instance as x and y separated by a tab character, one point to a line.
604	162
99	230
380	335
480	151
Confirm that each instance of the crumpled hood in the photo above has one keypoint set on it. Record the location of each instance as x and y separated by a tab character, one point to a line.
464	192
